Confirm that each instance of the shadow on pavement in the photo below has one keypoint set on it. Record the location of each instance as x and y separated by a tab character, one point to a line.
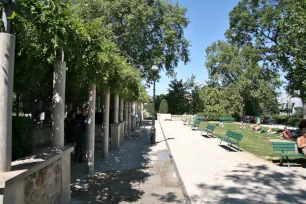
256	184
116	179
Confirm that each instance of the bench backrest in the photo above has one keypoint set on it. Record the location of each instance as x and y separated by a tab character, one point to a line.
200	117
283	146
211	127
234	135
226	119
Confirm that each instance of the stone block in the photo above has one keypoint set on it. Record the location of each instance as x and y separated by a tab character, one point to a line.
122	124
115	136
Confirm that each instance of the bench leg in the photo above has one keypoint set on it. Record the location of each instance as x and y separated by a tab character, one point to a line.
280	161
288	162
220	142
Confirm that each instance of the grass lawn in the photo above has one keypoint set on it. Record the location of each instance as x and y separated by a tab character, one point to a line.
259	144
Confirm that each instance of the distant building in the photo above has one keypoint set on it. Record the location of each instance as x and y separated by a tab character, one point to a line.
288	105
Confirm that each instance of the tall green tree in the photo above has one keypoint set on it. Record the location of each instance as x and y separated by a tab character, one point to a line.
177	97
221	101
277	29
195	101
238	68
163	107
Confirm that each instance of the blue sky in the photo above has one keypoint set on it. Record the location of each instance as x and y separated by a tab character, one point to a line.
209	20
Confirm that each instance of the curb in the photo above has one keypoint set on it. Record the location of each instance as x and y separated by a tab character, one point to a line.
179	178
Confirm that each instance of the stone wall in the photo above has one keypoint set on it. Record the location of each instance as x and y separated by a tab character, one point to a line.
41	178
44	186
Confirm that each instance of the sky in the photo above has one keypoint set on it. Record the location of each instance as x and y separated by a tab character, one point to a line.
209	19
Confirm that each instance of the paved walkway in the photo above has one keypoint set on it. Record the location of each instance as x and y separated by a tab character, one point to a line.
211	174
135	173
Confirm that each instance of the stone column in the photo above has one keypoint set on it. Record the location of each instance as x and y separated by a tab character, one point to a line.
90	145
106	125
141	111
59	85
7	60
133	115
115	128
116	109
130	116
126	124
121	126
121	109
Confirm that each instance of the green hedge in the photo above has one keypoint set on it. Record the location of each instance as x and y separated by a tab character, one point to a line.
287	120
22	133
214	116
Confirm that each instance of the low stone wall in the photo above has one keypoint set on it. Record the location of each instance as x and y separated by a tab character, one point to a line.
43	177
181	117
162	117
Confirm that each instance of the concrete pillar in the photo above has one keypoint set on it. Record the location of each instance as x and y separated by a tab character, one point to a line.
141	111
90	145
115	128
130	116
121	109
59	85
106	125
121	120
126	124
7	60
116	109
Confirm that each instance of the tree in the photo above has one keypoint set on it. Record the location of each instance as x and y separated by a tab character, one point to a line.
147	32
177	97
221	101
195	101
276	29
163	107
238	68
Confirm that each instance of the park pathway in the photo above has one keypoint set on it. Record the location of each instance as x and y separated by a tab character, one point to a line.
212	174
135	173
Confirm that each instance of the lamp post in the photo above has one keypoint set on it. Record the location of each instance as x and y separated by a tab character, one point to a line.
155	70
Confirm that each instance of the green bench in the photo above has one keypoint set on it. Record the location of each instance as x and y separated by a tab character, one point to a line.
195	124
209	129
232	138
227	119
285	150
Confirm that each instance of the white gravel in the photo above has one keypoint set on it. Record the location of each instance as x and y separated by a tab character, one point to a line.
211	174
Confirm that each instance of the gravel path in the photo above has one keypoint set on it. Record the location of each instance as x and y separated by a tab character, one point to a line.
212	174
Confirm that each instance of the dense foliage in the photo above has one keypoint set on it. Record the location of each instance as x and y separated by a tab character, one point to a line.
163	107
277	29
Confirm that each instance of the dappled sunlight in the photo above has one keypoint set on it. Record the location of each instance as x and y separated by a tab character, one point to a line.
255	184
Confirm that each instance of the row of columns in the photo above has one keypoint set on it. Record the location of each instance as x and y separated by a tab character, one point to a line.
120	126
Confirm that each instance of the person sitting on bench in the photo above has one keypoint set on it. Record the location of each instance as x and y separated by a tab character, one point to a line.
286	133
301	142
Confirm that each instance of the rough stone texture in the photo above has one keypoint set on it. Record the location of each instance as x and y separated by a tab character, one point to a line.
43	177
44	186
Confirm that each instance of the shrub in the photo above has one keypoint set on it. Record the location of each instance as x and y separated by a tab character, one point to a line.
22	133
214	116
163	107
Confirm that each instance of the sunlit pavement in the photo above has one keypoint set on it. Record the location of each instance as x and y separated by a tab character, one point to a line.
135	173
212	174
